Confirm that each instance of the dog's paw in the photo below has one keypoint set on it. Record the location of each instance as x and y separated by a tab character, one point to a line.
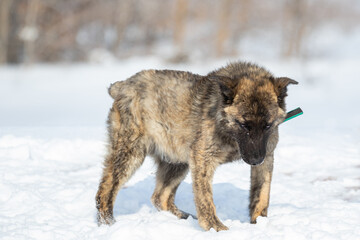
183	215
106	219
212	222
258	213
220	227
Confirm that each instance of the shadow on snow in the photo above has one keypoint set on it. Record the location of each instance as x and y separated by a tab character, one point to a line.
231	202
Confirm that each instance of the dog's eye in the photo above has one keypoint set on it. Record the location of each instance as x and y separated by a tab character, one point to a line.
243	125
267	126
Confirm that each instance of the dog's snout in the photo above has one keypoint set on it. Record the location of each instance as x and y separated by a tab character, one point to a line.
254	161
257	161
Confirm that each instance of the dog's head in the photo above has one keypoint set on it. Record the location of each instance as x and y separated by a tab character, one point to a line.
254	105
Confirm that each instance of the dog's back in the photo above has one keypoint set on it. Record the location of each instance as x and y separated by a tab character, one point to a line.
159	103
237	69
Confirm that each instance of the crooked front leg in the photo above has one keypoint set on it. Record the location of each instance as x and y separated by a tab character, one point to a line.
260	188
202	171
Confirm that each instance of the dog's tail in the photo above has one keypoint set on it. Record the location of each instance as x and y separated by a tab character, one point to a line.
114	89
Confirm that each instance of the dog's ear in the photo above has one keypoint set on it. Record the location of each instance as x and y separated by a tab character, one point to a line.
227	88
280	85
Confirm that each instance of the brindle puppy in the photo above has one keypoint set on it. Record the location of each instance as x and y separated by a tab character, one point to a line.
187	121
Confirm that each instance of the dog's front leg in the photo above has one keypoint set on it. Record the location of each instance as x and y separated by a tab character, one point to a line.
202	170
260	188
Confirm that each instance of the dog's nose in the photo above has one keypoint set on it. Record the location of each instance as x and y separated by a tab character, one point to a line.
257	161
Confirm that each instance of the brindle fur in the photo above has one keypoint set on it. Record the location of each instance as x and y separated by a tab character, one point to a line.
187	121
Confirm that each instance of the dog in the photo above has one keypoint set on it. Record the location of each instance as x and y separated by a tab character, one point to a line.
192	122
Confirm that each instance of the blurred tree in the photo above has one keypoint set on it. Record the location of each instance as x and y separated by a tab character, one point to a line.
29	33
180	23
223	31
121	19
4	29
72	30
15	19
242	9
295	26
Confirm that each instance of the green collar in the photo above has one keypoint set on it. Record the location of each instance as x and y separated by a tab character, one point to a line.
292	114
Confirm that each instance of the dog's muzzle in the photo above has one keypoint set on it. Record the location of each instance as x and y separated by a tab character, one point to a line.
254	162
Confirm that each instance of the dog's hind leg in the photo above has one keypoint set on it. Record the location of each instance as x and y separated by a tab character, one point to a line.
260	188
168	179
125	155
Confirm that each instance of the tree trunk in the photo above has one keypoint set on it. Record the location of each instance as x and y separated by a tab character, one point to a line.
31	25
4	29
294	28
223	32
180	22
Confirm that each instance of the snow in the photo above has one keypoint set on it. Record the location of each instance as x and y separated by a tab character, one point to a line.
53	139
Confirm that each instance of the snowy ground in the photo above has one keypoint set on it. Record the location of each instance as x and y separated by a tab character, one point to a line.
52	142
